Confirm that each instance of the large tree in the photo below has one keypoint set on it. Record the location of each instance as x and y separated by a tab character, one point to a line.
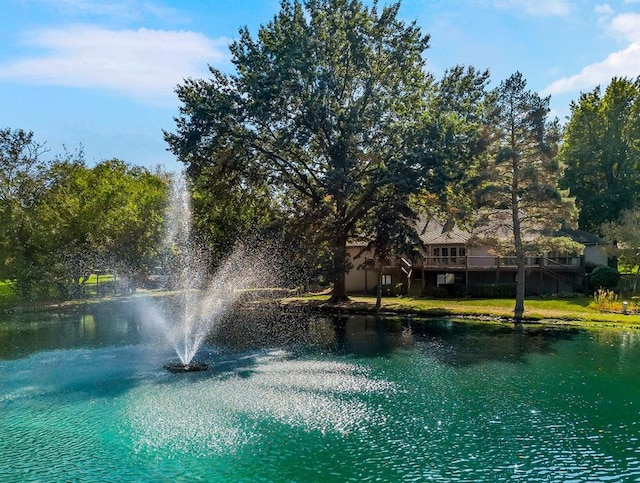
447	145
22	186
601	152
321	106
107	216
519	174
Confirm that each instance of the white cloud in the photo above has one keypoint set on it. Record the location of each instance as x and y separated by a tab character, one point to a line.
628	25
625	63
545	8
127	10
603	9
140	63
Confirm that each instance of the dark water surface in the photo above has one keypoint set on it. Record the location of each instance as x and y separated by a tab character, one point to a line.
85	398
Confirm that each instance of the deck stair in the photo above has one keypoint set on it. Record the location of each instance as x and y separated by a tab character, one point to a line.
557	271
407	268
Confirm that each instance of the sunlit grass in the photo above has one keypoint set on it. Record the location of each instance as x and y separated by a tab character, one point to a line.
571	309
7	295
577	309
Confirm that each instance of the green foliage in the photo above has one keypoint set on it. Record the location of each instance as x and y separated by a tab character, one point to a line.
322	117
560	245
106	217
390	228
451	139
435	292
496	290
227	211
62	220
604	277
22	179
601	152
519	172
623	237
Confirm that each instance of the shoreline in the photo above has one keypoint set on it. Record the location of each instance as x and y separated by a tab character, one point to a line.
537	312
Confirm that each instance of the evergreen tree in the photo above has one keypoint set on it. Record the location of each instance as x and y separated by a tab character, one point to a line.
519	173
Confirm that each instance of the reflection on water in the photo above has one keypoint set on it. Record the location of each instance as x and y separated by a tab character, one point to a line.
360	335
24	334
304	398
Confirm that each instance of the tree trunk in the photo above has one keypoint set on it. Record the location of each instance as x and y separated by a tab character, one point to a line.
379	287
518	310
339	293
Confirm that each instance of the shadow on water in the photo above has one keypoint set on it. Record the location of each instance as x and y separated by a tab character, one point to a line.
105	373
93	327
450	341
463	343
98	353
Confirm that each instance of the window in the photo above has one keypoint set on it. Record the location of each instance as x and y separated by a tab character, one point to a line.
448	255
386	280
446	279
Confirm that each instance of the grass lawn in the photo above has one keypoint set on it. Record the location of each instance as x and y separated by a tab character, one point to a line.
7	296
574	310
568	310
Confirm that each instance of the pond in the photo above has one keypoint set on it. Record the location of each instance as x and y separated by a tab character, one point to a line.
304	398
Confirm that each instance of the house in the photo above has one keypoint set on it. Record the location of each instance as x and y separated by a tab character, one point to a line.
457	261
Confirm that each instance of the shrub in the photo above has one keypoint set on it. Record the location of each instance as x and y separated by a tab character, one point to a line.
604	277
493	291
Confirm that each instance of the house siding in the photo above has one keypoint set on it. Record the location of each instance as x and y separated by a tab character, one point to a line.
448	256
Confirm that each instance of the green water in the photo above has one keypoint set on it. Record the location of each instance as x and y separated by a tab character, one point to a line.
85	398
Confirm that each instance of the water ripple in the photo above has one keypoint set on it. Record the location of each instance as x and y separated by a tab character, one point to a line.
221	415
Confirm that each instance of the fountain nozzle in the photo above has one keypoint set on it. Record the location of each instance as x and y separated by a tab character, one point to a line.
181	367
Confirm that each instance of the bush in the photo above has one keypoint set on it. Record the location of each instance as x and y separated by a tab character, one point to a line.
493	291
457	290
604	277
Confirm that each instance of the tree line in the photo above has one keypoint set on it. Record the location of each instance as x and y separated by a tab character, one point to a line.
63	221
332	128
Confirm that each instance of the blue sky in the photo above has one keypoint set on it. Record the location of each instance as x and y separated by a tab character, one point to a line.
101	73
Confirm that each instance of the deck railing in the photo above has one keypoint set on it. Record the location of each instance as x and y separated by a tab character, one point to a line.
488	261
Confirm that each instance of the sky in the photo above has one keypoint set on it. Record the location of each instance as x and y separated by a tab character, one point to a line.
101	74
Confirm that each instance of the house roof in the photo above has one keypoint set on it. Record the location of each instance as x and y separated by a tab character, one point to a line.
433	231
498	226
580	236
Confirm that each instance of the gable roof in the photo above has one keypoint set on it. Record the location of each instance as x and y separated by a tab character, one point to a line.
432	231
579	236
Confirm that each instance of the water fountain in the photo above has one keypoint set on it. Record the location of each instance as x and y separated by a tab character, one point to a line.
180	367
202	298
